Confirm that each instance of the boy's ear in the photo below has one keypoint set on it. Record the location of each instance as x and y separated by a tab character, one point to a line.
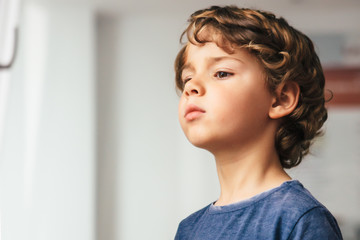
285	100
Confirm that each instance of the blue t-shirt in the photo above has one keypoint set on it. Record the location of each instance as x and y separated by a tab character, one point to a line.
286	212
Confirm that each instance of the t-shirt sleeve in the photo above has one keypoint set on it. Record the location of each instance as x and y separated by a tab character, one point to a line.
317	223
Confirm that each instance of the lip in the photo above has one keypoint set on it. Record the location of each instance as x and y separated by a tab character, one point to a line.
193	112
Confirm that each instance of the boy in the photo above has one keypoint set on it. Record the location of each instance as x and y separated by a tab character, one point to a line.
253	95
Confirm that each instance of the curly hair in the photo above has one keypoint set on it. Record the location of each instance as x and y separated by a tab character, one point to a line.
285	53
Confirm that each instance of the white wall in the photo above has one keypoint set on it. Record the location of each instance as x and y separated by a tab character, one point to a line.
47	163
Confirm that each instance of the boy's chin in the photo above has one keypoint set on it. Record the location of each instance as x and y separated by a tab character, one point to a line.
204	139
203	143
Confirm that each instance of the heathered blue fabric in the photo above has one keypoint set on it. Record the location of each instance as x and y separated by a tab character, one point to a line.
286	212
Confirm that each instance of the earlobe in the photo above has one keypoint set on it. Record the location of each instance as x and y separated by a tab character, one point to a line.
285	100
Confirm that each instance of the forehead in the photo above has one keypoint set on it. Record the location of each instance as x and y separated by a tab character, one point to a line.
210	52
209	49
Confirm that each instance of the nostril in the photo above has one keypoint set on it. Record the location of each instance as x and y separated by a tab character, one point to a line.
194	91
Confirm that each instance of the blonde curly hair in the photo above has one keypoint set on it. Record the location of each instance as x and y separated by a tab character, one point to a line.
285	53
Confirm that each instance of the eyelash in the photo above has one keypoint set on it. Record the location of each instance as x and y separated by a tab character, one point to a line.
217	75
186	80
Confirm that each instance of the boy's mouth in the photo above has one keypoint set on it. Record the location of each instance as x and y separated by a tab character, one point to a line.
192	112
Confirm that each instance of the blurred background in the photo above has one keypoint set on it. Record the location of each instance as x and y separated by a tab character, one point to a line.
90	145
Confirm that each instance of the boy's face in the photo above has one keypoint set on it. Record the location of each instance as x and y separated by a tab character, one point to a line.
225	102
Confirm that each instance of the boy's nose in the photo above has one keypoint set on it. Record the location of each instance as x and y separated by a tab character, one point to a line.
193	88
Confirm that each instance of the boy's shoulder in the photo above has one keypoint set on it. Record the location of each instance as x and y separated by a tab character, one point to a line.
188	224
194	217
308	218
292	196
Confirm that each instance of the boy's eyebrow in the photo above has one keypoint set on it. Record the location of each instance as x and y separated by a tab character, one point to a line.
212	60
218	59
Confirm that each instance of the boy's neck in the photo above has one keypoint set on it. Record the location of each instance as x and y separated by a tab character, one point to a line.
246	173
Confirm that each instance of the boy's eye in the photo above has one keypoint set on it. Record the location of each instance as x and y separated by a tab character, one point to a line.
186	80
222	74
